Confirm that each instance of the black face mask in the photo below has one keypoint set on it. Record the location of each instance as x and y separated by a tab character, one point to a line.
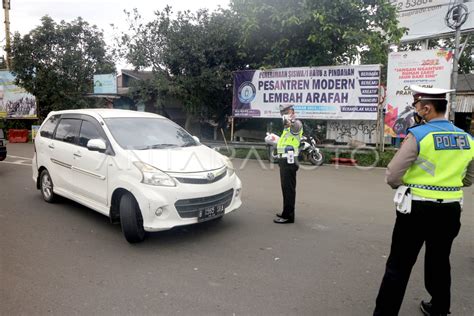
418	118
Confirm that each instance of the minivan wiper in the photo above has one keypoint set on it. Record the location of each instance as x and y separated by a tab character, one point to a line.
189	145
157	146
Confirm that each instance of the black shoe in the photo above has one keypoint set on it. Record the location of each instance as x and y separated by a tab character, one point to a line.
281	220
279	215
427	309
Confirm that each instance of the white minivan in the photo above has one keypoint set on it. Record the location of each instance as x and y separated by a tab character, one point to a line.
139	169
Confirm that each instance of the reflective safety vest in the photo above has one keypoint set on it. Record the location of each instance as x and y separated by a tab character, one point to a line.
444	152
288	139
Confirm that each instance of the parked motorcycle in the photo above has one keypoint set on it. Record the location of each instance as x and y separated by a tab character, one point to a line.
308	150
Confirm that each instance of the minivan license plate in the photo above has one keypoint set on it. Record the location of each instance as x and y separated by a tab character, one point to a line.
211	212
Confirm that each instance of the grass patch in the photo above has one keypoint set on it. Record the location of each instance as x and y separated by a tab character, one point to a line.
243	153
365	158
368	158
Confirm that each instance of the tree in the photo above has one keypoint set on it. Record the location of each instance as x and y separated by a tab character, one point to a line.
466	61
3	64
56	63
192	56
278	33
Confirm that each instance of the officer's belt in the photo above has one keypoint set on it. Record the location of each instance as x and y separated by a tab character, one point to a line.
420	198
434	187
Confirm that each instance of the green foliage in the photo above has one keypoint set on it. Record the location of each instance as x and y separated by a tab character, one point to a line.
243	153
192	56
3	64
316	32
365	158
56	63
20	124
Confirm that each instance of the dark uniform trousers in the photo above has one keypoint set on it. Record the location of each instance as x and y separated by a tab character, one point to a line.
436	225
288	187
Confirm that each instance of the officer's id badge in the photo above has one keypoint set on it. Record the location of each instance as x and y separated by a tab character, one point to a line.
451	141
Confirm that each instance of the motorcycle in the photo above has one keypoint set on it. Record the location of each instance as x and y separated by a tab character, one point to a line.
308	150
404	121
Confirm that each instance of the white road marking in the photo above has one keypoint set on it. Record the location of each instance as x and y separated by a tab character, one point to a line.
18	163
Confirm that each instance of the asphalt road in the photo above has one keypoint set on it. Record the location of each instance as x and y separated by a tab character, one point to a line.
64	259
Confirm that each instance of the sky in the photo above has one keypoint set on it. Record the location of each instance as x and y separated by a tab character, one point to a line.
25	15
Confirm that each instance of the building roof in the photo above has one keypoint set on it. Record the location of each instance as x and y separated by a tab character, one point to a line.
465	83
138	74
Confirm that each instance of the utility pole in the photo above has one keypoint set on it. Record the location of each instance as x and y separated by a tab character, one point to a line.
6	8
457	19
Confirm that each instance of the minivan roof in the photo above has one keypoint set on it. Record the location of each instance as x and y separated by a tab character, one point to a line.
108	113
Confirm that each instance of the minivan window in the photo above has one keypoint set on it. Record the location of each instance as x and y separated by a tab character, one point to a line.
148	133
48	128
88	131
68	130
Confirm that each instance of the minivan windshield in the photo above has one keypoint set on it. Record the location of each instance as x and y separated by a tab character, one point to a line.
140	133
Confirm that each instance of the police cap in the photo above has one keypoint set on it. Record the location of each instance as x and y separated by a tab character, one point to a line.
422	93
284	107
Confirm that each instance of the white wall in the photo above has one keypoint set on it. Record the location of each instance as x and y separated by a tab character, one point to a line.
345	131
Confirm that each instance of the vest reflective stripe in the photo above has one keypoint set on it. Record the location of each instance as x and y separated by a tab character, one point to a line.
426	165
434	188
289	139
440	168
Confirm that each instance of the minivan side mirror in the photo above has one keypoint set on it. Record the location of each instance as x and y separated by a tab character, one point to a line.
196	139
96	145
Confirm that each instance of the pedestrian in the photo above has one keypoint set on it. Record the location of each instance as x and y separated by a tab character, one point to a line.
433	164
288	150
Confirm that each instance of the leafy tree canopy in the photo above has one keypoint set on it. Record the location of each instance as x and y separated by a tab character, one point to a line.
279	33
56	63
197	52
191	54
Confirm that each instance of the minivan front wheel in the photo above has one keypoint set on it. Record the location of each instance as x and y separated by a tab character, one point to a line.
131	219
46	187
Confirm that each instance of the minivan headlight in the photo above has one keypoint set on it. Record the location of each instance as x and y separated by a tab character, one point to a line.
154	176
229	165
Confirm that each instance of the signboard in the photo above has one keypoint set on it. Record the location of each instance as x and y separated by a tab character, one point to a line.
105	84
332	92
426	18
34	131
427	68
15	102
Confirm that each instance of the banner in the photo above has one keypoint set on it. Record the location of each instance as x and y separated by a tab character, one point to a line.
15	102
426	18
331	92
105	84
426	68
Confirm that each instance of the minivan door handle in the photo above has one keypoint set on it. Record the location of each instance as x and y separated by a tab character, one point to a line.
51	146
77	154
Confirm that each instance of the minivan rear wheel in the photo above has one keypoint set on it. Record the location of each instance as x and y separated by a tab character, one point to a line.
131	219
46	187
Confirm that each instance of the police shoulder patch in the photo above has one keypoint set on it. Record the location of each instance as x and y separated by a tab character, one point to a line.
449	141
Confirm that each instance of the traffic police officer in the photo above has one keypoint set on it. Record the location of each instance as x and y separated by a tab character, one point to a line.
288	150
434	161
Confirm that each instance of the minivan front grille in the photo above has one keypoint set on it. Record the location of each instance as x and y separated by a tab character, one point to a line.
188	208
201	180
